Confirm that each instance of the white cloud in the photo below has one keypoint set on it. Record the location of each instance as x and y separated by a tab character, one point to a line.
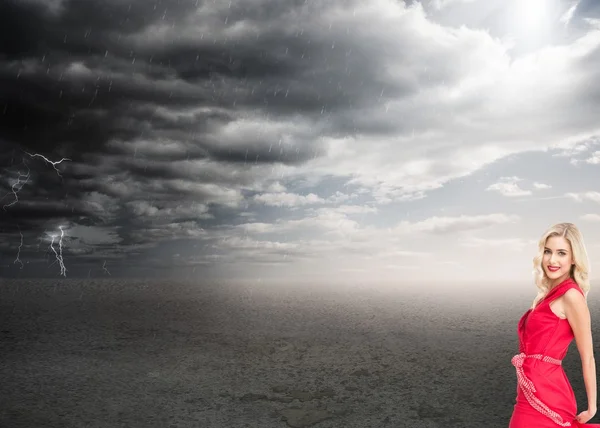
293	200
508	186
339	197
288	199
584	196
591	217
167	231
352	209
568	15
337	238
541	186
443	225
326	220
594	159
331	220
252	244
441	4
257	227
276	187
576	152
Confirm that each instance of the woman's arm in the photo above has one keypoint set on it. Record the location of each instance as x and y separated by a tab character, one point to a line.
578	315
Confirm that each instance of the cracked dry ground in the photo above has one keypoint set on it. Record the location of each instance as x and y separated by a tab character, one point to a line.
146	354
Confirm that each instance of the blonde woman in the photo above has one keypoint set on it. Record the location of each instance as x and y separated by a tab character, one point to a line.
558	315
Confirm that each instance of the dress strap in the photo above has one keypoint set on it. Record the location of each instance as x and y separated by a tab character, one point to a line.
563	288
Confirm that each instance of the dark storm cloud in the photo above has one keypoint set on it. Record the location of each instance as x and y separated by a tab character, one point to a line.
30	214
71	86
73	83
81	27
75	79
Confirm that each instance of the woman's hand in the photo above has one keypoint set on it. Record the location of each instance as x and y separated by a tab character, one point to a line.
585	416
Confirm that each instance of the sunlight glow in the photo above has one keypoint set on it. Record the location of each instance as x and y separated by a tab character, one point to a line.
532	15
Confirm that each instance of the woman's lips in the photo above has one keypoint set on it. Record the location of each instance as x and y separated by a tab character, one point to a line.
553	269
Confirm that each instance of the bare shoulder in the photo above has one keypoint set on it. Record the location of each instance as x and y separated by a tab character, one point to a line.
574	297
574	305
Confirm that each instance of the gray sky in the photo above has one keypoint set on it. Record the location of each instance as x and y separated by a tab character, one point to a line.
296	140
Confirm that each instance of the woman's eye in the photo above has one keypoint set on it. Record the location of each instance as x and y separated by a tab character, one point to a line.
560	253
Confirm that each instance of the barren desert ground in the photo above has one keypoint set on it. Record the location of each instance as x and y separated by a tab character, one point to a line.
124	353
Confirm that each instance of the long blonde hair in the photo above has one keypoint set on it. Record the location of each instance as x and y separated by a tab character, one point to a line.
579	271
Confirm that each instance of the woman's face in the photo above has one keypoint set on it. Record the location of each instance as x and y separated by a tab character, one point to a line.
558	259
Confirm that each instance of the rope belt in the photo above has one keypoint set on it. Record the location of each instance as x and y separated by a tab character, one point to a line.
528	388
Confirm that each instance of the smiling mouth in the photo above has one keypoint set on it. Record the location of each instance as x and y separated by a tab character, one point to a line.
553	269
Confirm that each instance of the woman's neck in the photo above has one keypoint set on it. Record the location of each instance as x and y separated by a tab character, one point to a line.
558	281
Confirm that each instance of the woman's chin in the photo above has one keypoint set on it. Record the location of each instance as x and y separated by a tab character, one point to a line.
554	275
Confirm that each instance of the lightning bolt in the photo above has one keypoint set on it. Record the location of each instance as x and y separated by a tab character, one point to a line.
59	256
104	268
19	252
13	187
50	162
16	188
26	176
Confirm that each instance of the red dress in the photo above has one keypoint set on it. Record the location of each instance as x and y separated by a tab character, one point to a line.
545	398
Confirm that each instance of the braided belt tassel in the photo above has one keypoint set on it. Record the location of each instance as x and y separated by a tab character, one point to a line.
528	387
